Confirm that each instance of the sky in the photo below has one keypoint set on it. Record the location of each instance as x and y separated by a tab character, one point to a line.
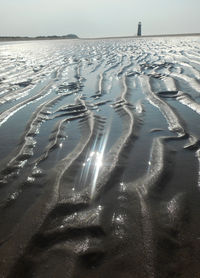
98	18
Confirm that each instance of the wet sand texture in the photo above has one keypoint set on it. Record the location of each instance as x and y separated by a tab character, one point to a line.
100	158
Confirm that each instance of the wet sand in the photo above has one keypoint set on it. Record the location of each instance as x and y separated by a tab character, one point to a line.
100	158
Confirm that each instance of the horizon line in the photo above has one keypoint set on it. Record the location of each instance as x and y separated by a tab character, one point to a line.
41	37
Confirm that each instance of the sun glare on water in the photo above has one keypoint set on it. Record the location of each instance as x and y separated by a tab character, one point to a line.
93	163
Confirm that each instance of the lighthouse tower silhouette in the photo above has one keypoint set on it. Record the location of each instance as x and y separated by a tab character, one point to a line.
139	32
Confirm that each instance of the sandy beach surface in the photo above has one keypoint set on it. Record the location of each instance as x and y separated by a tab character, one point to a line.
100	158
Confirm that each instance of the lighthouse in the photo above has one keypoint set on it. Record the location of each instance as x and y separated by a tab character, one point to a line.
139	32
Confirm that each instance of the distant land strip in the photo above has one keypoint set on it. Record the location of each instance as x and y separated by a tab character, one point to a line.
18	38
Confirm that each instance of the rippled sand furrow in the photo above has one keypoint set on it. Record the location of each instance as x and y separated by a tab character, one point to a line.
188	101
58	132
113	156
28	142
7	114
147	237
52	195
190	83
198	157
79	149
172	119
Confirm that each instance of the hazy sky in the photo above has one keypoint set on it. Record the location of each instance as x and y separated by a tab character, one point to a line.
94	18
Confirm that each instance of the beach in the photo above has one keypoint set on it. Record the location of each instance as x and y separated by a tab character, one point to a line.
100	158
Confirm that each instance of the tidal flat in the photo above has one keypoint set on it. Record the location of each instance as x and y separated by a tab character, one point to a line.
100	158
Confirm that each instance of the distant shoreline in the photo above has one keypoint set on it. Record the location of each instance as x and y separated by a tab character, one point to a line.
146	36
18	38
74	37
